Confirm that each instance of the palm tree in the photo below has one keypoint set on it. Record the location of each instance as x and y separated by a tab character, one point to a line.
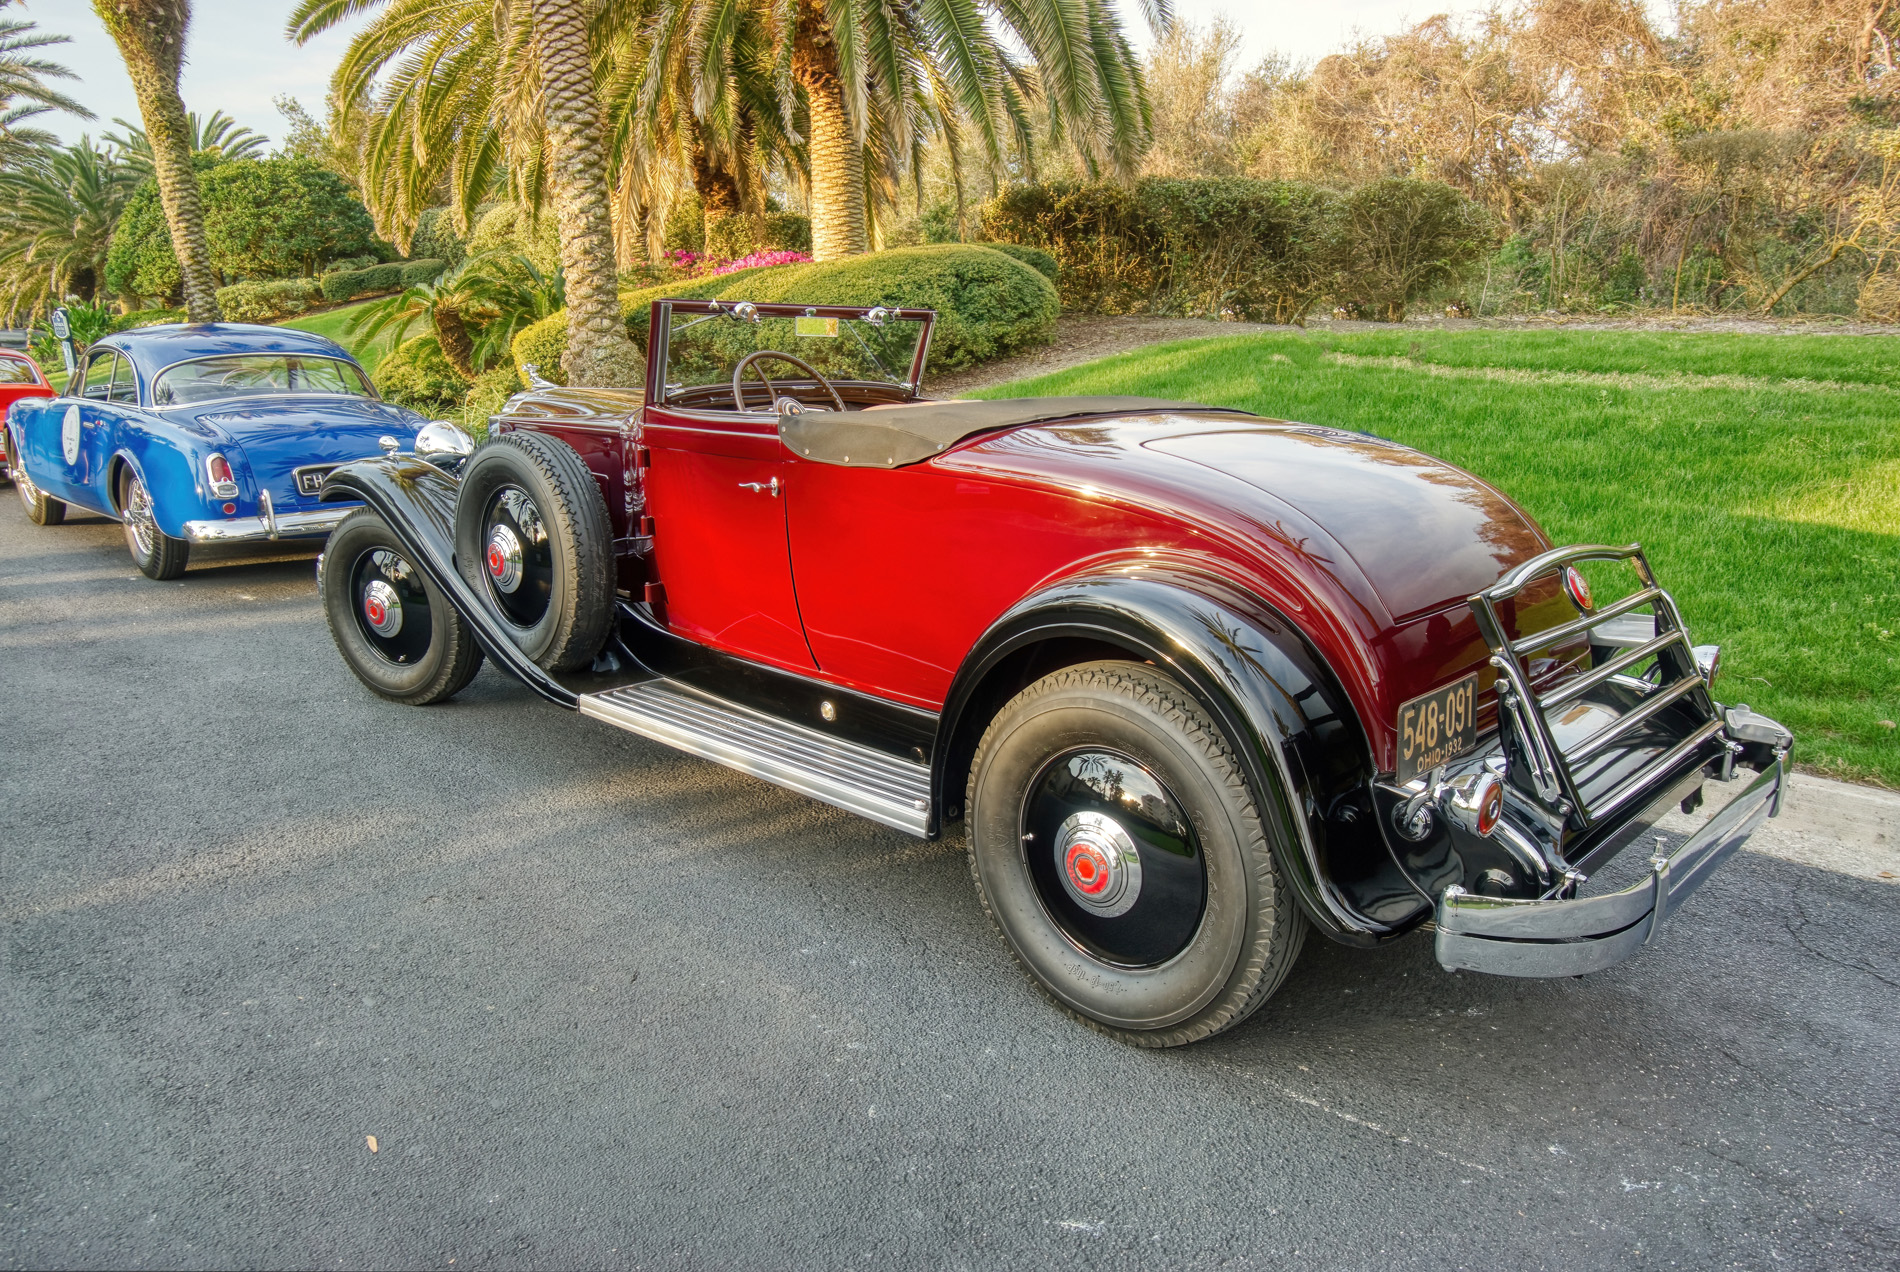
56	222
875	76
151	39
598	350
24	93
442	304
474	85
218	134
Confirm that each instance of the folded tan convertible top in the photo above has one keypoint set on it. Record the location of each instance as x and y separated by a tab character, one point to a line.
890	437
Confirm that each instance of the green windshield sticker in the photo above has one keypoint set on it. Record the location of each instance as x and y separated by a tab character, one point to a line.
816	327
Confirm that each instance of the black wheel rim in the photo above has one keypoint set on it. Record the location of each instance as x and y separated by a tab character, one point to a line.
391	606
517	556
1114	858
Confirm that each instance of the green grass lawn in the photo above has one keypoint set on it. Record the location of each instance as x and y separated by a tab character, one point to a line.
330	323
1761	474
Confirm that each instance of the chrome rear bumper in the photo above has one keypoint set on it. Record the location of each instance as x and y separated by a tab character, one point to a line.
1569	938
273	525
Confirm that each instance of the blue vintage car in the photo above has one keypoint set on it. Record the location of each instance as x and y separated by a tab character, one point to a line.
201	433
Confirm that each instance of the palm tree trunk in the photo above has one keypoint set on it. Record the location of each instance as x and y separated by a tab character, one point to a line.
451	332
151	39
837	153
718	196
598	351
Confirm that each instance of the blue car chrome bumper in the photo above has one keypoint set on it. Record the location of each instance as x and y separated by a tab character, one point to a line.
1569	938
273	525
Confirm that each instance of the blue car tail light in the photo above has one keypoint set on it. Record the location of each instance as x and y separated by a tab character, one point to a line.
223	480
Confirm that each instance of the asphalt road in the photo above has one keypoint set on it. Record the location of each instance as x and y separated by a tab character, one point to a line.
604	1005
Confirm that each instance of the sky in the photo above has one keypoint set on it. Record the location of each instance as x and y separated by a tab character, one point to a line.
238	59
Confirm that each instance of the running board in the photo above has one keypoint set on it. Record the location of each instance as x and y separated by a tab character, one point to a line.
852	777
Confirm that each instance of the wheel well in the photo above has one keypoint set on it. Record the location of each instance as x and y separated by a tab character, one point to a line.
115	477
1010	676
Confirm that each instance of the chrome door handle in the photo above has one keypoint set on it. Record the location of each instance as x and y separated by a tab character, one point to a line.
763	487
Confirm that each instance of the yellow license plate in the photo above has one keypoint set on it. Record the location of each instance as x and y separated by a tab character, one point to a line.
815	327
1438	727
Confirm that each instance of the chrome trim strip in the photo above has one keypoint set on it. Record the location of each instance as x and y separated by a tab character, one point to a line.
289	525
859	780
1597	675
1669	760
1658	699
1576	627
1569	938
1518	579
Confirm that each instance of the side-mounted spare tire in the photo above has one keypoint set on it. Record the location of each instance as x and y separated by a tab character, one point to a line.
533	539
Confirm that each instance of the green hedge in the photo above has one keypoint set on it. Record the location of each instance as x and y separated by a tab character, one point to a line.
988	304
1235	247
1034	257
268	302
349	284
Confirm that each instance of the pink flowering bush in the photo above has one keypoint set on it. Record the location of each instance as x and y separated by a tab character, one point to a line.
761	258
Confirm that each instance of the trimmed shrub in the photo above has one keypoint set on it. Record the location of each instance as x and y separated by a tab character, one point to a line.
416	375
988	304
1232	247
413	272
268	302
1034	257
150	318
486	397
504	228
350	283
435	238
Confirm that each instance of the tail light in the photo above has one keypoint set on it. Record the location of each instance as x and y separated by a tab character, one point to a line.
1578	587
223	480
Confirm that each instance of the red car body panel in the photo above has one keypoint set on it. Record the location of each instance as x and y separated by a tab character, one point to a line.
1368	547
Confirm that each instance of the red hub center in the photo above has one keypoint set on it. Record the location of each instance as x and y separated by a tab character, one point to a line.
373	608
497	563
1088	868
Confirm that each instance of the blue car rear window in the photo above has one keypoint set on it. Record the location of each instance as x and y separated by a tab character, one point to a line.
253	374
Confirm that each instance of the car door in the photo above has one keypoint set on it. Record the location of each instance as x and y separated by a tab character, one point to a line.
64	459
715	490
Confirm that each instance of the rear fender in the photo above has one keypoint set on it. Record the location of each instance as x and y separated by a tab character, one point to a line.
417	501
1305	752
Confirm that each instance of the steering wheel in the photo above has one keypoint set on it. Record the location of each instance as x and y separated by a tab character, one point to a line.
738	394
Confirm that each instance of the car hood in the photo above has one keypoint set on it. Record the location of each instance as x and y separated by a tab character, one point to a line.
309	430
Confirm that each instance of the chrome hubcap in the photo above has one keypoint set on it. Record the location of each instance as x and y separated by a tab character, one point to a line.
1099	864
504	558
382	608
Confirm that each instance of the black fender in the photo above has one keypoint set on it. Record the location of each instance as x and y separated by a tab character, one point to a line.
1306	754
417	500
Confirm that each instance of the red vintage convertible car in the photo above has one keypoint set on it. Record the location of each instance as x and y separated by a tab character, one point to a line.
1193	681
20	377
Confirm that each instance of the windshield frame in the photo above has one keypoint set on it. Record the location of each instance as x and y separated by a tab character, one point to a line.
151	381
660	330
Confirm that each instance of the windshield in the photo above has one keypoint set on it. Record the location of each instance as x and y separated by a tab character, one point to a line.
877	345
251	374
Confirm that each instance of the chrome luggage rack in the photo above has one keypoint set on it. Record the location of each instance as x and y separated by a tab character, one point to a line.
1522	724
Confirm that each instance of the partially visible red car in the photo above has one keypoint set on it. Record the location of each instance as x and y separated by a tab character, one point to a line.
20	377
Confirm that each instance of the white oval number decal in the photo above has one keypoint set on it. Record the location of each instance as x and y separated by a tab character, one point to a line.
69	435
